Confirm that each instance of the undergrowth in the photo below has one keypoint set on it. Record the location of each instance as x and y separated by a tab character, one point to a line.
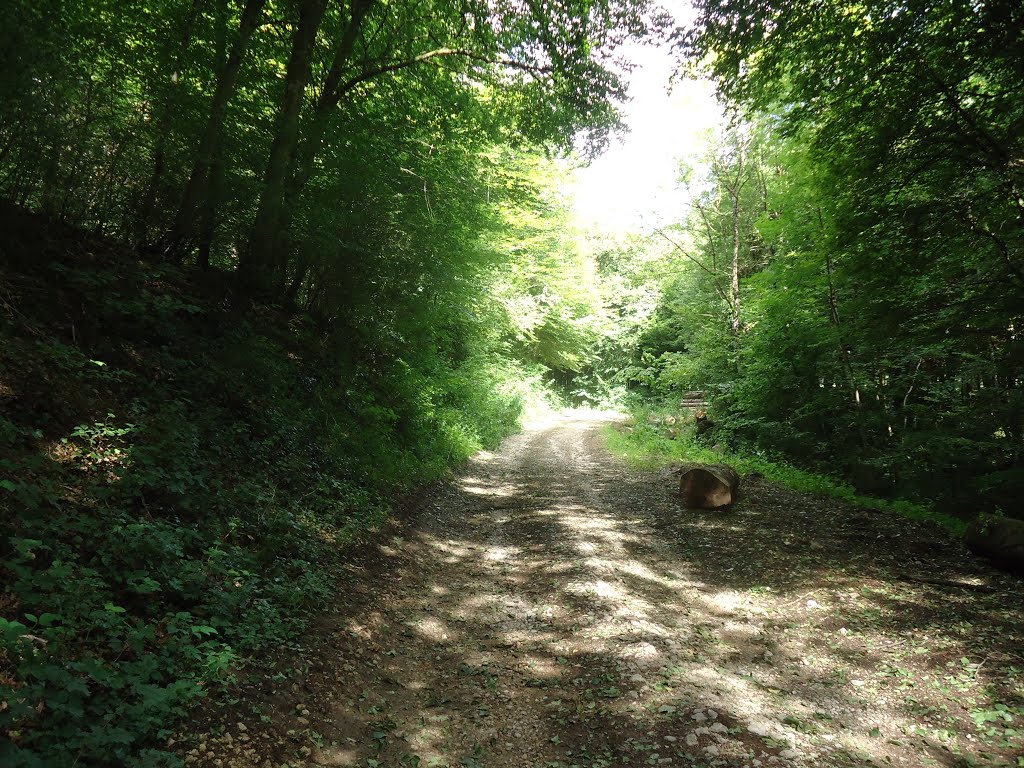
645	441
179	472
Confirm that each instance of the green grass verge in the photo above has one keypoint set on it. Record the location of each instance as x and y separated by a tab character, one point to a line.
644	446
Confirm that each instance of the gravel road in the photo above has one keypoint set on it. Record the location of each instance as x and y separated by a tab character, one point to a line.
551	606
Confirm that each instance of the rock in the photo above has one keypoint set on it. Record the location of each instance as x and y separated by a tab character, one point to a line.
758	728
671	471
999	539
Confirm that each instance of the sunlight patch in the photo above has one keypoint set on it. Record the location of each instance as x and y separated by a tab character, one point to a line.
433	629
498	552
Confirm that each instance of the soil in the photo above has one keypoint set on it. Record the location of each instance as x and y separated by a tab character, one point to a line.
552	606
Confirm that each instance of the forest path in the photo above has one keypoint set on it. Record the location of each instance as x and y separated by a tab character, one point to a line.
551	606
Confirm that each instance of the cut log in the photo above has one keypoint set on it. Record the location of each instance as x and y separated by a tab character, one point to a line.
1000	539
692	400
704	424
709	487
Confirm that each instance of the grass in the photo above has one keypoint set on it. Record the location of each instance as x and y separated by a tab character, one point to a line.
643	445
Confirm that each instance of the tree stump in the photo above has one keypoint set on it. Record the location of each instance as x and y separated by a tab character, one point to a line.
709	487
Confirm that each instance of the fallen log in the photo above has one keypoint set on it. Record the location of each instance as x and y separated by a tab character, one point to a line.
1000	539
709	486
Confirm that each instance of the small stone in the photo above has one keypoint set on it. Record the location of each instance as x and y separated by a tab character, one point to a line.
712	714
699	716
711	750
788	754
302	721
758	729
670	739
242	727
691	739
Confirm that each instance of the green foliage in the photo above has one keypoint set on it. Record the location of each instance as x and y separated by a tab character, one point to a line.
170	515
881	333
645	443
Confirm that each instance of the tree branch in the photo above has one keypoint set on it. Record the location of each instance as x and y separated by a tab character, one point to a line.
384	69
695	260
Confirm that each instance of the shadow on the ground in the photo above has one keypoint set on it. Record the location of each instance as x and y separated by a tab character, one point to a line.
575	615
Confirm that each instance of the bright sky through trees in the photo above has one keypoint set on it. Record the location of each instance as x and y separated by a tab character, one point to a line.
634	185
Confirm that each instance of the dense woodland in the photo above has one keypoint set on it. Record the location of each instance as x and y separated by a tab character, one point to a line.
855	286
265	265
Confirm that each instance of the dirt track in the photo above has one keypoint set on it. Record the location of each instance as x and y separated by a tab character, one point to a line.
551	606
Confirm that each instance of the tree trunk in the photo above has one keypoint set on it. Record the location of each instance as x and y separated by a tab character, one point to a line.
261	260
198	180
734	286
304	156
208	216
844	353
167	110
709	487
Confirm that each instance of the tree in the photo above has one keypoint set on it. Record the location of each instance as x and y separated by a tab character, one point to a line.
898	209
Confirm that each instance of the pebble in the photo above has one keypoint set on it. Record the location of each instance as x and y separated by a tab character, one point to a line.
691	739
788	754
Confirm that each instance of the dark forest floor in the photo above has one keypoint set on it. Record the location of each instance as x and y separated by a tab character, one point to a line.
551	606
